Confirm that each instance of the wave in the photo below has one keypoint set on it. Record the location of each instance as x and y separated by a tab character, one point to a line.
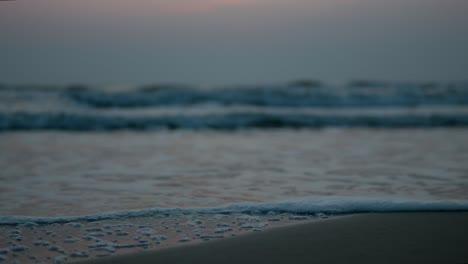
231	121
311	205
275	96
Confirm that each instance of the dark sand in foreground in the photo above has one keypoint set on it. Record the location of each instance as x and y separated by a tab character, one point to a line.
364	238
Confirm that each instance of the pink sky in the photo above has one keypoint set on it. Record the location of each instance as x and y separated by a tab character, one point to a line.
172	7
156	6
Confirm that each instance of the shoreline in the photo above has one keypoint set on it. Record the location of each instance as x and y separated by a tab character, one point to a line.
419	237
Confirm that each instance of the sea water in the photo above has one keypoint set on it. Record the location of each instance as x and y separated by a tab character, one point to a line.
97	171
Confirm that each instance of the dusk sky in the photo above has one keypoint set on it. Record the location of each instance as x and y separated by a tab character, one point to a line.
231	41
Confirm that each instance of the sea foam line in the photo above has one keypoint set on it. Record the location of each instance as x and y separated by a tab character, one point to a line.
310	205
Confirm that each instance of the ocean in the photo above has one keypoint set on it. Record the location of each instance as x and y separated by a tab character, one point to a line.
96	171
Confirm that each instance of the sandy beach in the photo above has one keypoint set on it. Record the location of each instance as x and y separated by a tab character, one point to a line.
233	131
364	238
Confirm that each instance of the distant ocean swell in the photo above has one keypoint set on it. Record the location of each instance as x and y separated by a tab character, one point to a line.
275	96
311	205
232	121
82	108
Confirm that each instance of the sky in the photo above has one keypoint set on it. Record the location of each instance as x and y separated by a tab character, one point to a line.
231	41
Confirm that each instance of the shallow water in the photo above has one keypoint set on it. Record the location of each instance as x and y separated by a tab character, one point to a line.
62	173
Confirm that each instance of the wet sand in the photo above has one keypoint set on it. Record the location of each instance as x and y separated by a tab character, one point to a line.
58	242
438	237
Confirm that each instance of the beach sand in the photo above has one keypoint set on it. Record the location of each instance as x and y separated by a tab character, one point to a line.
438	237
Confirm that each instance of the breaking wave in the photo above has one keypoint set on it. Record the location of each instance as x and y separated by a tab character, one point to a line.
384	95
311	205
230	121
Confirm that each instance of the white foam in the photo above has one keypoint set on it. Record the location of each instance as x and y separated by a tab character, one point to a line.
310	205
